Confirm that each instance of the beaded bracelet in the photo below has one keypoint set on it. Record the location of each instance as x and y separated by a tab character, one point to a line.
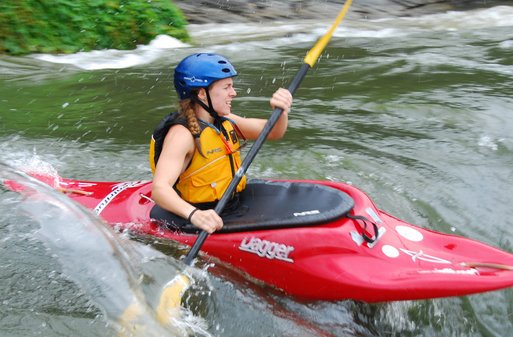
191	214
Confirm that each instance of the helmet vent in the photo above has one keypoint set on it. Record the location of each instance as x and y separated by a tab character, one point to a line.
221	62
225	70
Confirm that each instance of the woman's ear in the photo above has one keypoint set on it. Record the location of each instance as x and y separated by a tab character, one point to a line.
202	94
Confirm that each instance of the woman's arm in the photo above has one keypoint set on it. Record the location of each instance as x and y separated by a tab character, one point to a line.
252	127
176	153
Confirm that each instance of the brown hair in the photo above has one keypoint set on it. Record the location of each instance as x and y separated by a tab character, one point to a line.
187	110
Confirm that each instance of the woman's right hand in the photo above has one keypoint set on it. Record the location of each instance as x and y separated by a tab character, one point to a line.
207	220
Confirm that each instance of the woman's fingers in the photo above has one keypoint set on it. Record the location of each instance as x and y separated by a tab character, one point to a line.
208	220
282	99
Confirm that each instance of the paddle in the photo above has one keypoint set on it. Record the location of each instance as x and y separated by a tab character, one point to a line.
173	291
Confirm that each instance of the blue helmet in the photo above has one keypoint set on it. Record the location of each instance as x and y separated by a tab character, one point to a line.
200	71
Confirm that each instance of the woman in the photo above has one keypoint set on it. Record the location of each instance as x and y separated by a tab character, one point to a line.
195	152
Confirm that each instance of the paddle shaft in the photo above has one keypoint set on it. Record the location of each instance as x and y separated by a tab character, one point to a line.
170	299
271	122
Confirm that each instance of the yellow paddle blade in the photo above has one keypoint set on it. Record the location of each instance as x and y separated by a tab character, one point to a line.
313	54
171	298
152	156
130	321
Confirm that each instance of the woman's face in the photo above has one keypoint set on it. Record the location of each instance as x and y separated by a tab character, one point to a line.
222	93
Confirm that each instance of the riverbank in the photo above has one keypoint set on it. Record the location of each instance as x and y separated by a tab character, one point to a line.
70	26
225	11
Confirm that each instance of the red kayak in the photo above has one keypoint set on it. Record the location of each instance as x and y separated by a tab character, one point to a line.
316	240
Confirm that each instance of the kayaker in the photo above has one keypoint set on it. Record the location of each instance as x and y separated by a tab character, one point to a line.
195	151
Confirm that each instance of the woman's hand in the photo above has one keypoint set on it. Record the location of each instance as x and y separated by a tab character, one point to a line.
207	220
282	99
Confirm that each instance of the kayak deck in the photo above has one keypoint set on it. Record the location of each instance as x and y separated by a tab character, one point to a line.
273	205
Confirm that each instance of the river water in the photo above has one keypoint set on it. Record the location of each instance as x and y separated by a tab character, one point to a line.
416	112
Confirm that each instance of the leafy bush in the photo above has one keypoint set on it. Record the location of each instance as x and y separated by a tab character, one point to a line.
68	26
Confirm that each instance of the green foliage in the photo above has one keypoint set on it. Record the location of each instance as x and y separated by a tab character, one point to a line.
68	26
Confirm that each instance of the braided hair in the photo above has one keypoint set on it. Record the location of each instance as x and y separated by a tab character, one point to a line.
188	112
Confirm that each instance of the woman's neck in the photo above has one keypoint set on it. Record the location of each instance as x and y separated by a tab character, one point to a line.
203	114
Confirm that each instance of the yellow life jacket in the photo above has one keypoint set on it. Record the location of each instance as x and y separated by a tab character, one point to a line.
213	164
211	170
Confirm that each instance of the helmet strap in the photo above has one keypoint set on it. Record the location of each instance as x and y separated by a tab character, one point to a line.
209	108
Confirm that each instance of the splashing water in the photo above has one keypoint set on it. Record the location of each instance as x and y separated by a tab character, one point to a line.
107	267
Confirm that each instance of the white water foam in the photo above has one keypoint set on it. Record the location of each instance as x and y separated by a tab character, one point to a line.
244	37
499	16
489	142
508	44
117	59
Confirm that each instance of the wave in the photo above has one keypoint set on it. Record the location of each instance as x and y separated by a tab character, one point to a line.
116	59
245	37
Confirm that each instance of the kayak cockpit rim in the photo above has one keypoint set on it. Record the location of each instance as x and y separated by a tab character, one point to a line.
266	204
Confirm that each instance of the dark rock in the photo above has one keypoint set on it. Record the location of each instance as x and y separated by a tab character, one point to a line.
224	11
